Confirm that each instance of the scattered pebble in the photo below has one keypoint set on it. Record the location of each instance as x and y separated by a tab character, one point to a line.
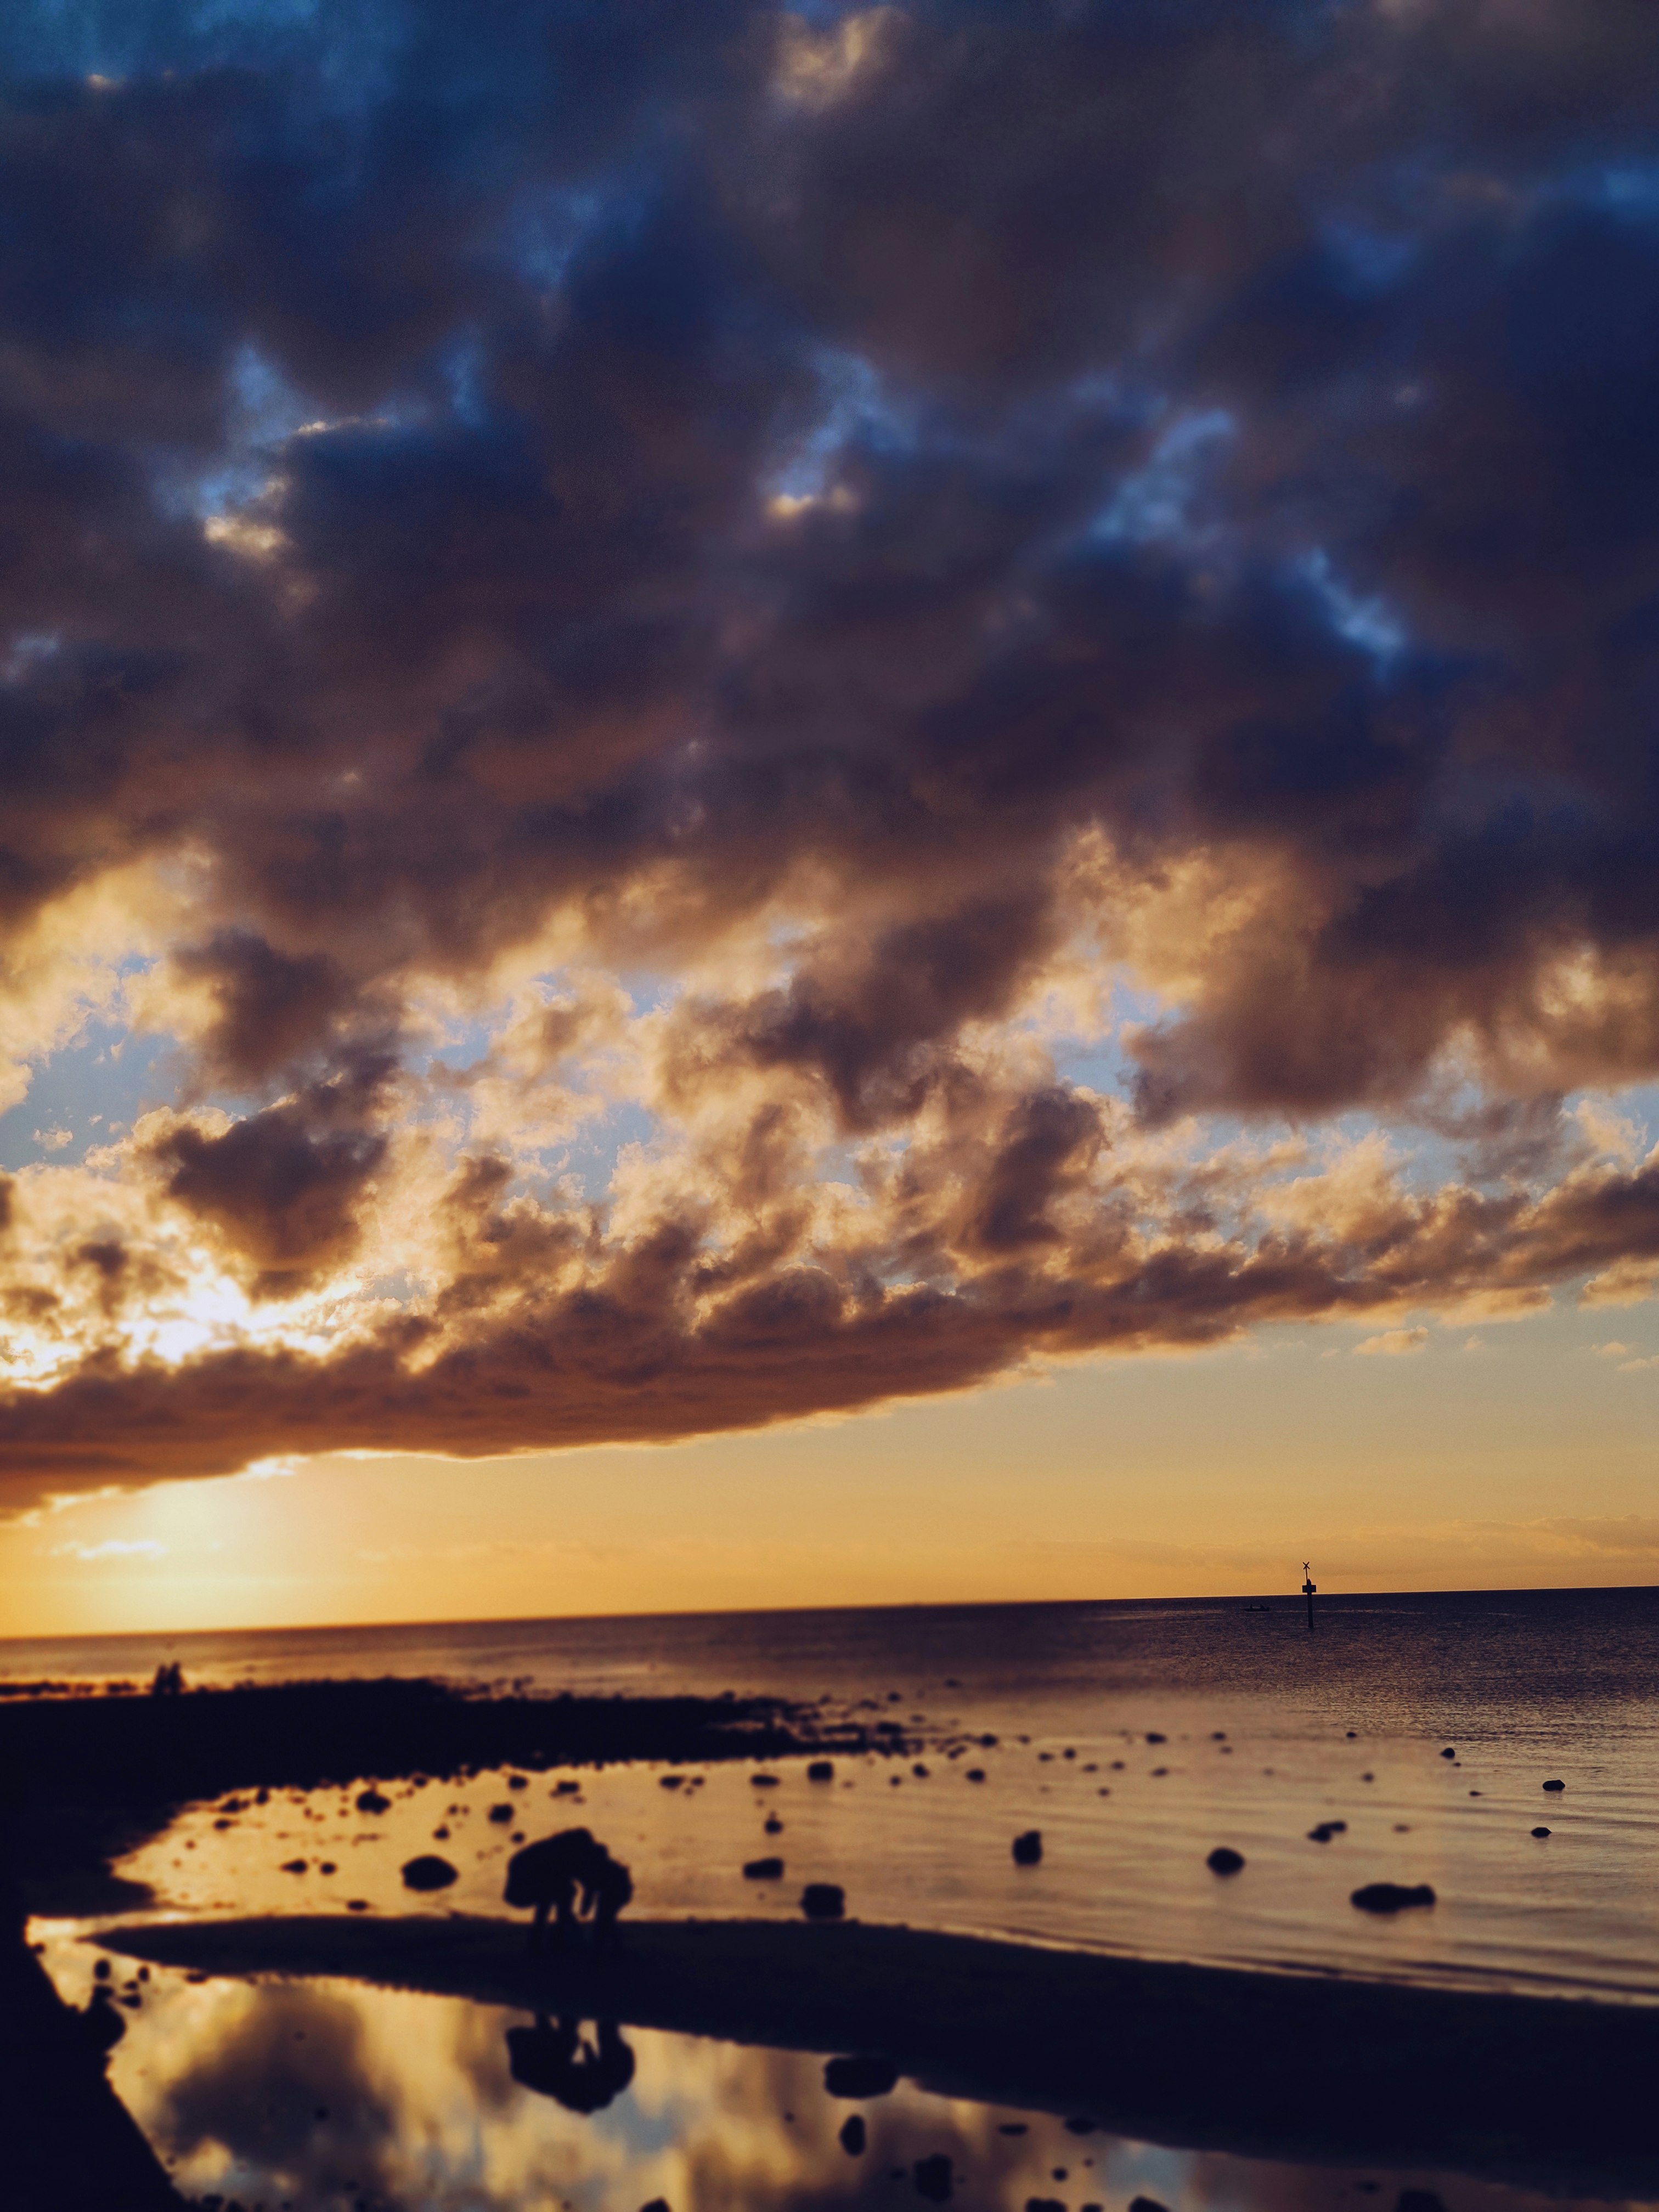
1391	1896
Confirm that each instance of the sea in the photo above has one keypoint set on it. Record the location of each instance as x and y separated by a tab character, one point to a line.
1502	1748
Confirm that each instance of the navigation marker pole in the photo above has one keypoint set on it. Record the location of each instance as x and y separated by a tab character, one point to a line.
1308	1589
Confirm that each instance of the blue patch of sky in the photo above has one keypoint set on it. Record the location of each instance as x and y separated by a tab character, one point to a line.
1369	260
347	43
463	366
263	410
1366	623
547	228
859	408
1625	188
1153	504
107	1073
26	652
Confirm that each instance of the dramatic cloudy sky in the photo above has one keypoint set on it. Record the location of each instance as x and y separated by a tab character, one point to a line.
720	722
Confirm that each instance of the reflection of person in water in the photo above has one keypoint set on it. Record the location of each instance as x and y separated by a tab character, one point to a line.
557	2062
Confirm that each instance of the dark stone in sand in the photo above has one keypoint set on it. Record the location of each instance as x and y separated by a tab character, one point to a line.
762	1781
1224	1859
1449	1753
1028	1848
975	1774
1152	1736
657	2204
328	1866
293	1866
500	1814
919	1771
772	1825
987	1743
1043	2204
859	2076
762	1870
1147	2204
670	1781
356	1905
1326	1829
1540	1831
429	1872
516	1782
823	1901
566	1789
370	1800
1391	1896
820	1770
933	2178
853	2134
1555	1785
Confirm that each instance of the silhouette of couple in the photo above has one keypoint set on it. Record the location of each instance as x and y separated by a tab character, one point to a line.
558	2061
571	1877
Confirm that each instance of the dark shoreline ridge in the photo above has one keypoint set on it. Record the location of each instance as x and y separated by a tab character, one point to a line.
90	1778
1551	2093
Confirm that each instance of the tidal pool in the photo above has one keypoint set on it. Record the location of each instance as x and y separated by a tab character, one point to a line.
327	2096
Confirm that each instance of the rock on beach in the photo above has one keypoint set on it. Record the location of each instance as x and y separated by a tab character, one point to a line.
1391	1896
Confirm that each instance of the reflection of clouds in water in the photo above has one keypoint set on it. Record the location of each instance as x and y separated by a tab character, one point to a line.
422	2115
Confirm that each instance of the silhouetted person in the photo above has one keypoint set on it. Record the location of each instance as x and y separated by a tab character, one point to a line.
168	1680
608	1889
548	1875
554	2062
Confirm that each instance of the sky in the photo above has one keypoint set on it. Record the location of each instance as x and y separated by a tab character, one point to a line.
824	805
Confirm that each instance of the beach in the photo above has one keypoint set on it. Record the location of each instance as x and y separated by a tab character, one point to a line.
244	1842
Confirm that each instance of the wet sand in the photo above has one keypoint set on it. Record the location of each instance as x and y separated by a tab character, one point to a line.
1550	2094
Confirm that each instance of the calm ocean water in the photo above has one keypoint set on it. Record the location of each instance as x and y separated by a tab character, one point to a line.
1134	1736
1266	1732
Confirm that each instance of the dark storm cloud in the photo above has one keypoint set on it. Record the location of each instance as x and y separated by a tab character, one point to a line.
658	466
629	1356
282	1187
